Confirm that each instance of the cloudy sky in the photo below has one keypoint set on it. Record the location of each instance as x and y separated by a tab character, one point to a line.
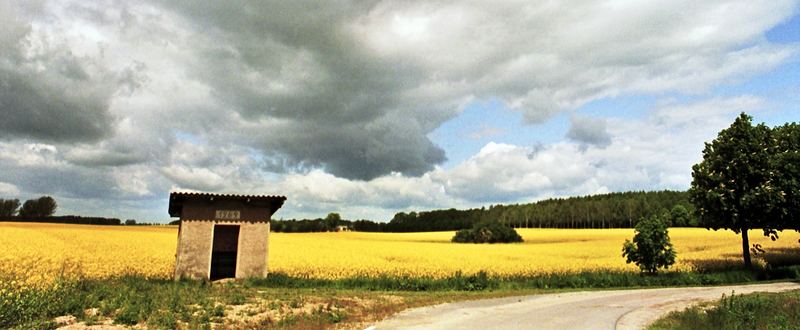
369	108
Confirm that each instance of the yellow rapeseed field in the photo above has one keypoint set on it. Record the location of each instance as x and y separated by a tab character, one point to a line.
36	253
338	255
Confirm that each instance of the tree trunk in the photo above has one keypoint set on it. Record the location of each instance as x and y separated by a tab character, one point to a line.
746	249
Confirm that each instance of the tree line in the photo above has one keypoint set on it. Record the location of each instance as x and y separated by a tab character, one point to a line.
330	223
42	210
44	206
613	210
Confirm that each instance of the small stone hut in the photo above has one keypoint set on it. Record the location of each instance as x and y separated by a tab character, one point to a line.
222	236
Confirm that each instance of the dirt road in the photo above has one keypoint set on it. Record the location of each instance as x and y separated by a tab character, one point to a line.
620	309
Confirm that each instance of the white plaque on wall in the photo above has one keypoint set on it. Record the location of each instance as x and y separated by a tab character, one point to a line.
227	215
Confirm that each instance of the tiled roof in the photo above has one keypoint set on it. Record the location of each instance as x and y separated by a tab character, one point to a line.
202	194
176	200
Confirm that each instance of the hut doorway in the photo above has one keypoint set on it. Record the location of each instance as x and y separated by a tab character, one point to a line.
223	251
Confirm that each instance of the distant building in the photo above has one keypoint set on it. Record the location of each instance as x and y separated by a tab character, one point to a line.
342	228
222	236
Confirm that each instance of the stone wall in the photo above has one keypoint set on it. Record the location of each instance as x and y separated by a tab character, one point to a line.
194	249
193	259
253	250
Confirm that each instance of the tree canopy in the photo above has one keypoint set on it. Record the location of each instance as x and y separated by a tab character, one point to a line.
332	220
44	206
8	207
651	248
785	167
487	232
748	179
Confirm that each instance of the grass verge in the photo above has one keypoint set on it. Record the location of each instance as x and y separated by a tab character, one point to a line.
166	304
751	311
283	301
583	280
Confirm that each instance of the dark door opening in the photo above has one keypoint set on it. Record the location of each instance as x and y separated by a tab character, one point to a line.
223	252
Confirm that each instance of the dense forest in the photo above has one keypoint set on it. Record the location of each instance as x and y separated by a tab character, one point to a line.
614	210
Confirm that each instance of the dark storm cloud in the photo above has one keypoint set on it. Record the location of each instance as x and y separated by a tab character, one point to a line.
590	131
63	181
358	150
325	100
34	107
46	92
97	157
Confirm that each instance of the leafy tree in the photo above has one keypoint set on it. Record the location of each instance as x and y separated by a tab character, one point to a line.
487	232
680	216
463	236
651	248
45	206
8	207
731	187
332	220
130	222
28	209
786	177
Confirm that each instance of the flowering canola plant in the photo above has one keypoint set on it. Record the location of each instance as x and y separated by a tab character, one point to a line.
35	253
342	255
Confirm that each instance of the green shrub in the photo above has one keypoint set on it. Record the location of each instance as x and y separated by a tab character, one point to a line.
477	282
651	248
680	217
487	232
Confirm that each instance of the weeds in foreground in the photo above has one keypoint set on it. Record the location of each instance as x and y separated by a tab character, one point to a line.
751	311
